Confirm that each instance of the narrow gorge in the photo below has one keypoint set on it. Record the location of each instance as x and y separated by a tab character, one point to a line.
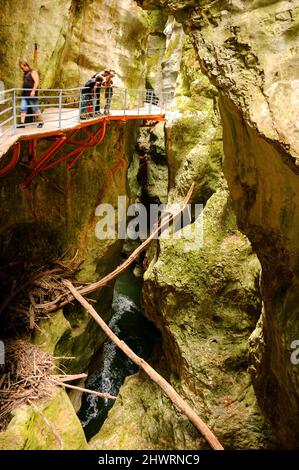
212	307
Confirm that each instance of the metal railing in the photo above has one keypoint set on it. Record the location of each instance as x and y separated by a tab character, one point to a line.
62	108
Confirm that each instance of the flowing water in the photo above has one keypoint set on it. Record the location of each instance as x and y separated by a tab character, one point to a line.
112	366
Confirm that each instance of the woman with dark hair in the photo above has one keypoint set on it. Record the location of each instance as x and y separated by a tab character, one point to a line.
29	96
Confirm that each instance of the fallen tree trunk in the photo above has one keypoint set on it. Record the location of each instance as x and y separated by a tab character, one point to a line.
64	299
157	378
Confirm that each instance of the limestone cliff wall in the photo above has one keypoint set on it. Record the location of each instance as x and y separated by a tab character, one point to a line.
249	50
74	40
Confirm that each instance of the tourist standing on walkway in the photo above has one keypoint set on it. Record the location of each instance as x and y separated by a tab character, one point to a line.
108	85
29	95
100	78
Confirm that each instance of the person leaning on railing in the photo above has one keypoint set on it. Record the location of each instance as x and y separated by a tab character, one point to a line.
108	86
90	98
88	105
100	77
29	95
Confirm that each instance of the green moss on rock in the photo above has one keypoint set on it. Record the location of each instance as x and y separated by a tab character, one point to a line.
143	419
205	301
28	430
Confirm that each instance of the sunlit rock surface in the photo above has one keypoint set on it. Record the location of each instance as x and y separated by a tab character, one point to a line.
249	50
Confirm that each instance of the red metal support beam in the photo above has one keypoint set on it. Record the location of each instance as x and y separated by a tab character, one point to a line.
43	160
44	164
94	140
14	160
101	136
32	157
65	137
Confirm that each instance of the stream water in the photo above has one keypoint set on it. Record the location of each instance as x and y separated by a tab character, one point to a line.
112	366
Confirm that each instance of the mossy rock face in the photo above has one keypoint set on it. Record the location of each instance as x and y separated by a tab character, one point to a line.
58	214
194	148
202	291
148	176
272	227
28	430
205	301
193	132
144	419
203	294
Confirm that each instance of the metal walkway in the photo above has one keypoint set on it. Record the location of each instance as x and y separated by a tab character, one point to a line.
63	111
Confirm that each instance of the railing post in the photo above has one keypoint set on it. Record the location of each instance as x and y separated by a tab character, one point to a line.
60	109
81	104
162	102
125	101
150	102
138	101
14	109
